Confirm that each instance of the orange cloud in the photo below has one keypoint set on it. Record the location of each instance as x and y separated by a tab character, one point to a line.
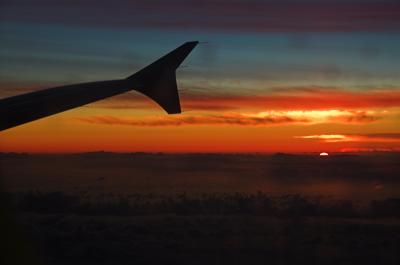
242	119
225	119
367	149
302	99
333	138
298	98
327	137
328	116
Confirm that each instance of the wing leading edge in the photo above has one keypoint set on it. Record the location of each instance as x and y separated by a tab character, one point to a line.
157	81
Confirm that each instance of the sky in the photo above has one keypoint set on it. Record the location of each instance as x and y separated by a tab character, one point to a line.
273	76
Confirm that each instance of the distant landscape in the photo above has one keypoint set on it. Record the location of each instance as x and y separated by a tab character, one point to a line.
107	208
343	176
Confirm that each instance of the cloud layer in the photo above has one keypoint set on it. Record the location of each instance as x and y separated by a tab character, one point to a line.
242	119
238	15
297	98
333	138
224	119
292	98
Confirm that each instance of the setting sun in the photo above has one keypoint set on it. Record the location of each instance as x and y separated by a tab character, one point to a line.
323	154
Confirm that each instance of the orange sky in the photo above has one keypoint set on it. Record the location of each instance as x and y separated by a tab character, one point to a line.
329	120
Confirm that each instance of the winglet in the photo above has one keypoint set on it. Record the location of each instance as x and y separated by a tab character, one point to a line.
158	80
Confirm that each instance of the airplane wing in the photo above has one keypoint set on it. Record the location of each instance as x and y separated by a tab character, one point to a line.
157	81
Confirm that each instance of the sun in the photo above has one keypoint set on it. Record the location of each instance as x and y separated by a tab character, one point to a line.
323	154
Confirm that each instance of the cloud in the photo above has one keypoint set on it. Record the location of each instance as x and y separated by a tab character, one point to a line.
207	97
326	137
9	89
333	138
226	119
357	117
328	116
369	149
384	135
240	15
300	98
265	118
352	105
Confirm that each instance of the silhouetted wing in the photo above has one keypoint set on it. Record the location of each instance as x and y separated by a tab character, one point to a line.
157	81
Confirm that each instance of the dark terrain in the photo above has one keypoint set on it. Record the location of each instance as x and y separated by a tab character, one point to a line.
105	208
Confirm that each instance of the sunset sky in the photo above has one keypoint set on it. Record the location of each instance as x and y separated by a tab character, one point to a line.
274	76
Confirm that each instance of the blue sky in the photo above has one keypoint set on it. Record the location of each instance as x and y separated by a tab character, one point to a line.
69	53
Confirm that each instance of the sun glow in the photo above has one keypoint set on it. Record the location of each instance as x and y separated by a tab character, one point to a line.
323	154
329	138
321	116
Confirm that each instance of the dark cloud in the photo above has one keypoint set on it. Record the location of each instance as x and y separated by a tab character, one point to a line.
294	98
239	15
226	119
291	98
357	117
